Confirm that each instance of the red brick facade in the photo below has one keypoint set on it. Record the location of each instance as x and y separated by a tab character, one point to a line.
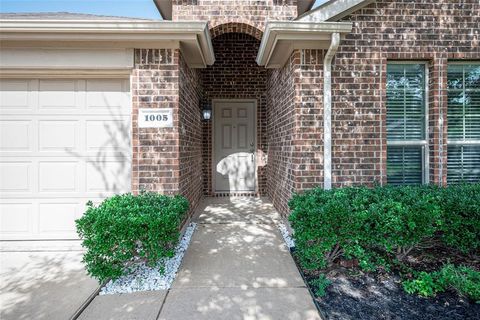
290	100
244	12
154	84
431	31
190	133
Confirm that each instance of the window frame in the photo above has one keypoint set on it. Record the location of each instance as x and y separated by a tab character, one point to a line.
424	143
460	142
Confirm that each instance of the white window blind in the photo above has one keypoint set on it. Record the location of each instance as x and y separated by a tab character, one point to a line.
463	116
406	123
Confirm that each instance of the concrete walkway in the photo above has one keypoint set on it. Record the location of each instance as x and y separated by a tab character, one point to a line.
48	285
236	267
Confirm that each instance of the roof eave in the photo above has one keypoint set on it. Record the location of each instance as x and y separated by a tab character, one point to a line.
165	8
193	38
281	38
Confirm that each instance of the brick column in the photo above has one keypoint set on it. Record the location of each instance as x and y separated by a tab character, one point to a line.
154	84
437	122
308	137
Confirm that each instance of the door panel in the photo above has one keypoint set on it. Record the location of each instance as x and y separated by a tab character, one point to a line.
234	146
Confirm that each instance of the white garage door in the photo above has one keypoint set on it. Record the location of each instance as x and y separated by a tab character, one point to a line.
62	143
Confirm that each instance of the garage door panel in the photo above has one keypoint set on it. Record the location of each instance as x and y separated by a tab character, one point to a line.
16	94
57	218
15	177
58	135
16	218
16	135
58	94
58	176
63	142
107	97
107	177
108	135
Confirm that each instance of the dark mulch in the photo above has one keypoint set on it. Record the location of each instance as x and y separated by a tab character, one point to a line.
354	294
366	296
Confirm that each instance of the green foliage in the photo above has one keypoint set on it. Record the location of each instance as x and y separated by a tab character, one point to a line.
461	216
424	285
320	284
365	223
464	280
127	228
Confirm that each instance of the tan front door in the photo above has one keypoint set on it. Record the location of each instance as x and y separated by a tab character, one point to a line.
234	146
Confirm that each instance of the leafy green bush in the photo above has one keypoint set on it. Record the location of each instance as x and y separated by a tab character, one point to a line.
425	285
366	223
127	228
464	280
461	216
320	284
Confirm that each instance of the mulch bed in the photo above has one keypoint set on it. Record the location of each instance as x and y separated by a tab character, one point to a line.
355	294
364	296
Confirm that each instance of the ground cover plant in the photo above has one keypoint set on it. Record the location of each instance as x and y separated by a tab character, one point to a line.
126	229
389	248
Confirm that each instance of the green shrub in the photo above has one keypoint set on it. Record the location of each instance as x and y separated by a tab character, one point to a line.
461	216
127	228
403	218
324	225
463	280
425	285
320	284
369	224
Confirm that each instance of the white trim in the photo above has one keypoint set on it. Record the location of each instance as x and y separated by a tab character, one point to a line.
327	111
281	38
213	164
334	10
65	73
193	38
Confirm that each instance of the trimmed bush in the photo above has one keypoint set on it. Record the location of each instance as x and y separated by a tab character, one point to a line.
461	216
127	228
369	224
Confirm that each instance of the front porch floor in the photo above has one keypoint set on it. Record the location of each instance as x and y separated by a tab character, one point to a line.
238	267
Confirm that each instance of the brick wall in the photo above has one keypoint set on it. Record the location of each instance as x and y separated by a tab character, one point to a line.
235	75
294	127
190	133
280	120
154	84
251	12
431	31
166	160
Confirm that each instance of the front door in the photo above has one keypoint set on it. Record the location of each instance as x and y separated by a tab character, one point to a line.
234	146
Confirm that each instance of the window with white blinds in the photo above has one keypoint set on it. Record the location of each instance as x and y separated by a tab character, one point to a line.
406	124
463	116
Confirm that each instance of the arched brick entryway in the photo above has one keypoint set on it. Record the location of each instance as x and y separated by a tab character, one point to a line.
236	27
235	76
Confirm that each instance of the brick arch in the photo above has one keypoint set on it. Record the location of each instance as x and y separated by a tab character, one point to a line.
236	27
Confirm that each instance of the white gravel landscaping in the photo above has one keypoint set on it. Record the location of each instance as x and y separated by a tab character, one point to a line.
145	278
286	236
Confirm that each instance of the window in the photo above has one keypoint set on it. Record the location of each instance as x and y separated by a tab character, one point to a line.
463	116
407	150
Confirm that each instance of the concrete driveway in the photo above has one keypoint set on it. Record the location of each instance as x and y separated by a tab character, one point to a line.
42	285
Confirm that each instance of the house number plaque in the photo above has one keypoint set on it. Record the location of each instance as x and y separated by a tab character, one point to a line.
155	118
